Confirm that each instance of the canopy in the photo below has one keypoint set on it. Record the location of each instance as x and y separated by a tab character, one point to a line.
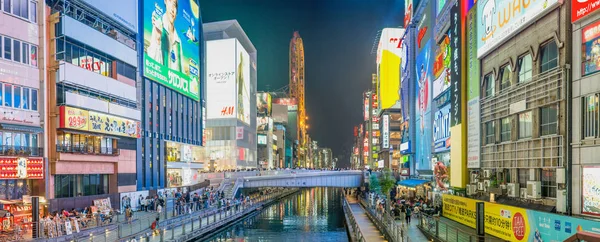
412	182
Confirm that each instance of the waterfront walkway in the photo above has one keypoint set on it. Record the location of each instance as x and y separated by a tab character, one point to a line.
414	233
367	227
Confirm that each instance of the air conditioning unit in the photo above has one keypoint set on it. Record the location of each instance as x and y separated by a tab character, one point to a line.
534	189
471	189
487	173
523	193
513	189
486	184
561	201
474	178
480	186
474	189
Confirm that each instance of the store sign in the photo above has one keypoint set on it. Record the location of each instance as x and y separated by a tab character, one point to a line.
186	153
22	168
582	8
405	146
386	131
380	164
84	120
473	113
405	172
590	36
516	224
366	107
441	129
455	66
14	116
501	19
375	126
239	133
262	139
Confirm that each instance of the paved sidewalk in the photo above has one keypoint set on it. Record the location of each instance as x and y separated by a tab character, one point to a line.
414	233
367	227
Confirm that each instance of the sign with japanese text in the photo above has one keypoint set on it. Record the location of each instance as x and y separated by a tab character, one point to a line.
79	119
386	131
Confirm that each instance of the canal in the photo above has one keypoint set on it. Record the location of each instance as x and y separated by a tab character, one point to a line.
313	214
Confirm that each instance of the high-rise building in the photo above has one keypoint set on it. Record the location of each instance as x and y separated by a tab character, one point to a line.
231	97
171	95
297	92
93	104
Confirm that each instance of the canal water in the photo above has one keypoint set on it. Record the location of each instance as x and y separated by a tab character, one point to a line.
314	215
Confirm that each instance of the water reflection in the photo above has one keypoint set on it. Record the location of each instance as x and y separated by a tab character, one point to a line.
311	215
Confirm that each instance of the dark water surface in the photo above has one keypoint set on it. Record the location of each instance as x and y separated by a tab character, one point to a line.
313	214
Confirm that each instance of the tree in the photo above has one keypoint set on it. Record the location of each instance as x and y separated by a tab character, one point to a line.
387	182
374	184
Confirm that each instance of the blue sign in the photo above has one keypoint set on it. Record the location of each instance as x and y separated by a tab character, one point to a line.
542	229
441	129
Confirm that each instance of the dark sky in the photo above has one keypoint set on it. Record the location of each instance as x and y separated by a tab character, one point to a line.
338	36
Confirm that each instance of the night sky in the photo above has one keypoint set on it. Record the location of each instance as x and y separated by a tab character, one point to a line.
338	36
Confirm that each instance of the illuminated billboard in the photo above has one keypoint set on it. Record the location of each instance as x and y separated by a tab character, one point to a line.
262	139
366	107
171	44
389	61
441	67
242	79
441	129
263	101
221	81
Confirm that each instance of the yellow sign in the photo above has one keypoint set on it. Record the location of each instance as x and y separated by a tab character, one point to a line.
389	79
78	119
502	221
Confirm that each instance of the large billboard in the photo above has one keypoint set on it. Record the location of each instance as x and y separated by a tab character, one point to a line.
389	52
441	129
500	20
473	113
123	12
263	101
171	44
582	8
386	132
221	81
242	79
423	137
441	66
84	120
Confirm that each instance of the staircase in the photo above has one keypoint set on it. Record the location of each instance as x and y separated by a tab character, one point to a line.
229	189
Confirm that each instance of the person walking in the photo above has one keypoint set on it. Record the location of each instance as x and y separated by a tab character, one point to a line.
408	214
128	214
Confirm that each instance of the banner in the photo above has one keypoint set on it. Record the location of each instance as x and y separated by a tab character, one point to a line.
473	103
455	65
79	119
386	131
582	8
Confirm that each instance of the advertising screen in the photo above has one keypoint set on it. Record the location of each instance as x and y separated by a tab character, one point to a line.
499	21
221	81
389	52
441	67
171	44
366	107
591	191
262	139
590	37
441	129
262	123
263	101
423	136
473	116
408	8
243	84
84	120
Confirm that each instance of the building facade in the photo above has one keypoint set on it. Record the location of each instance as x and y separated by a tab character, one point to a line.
231	97
93	108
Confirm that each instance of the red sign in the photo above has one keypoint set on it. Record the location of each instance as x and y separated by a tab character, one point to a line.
21	168
355	131
590	32
518	226
582	8
285	101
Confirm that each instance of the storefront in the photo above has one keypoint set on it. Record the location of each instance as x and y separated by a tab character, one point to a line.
413	189
184	164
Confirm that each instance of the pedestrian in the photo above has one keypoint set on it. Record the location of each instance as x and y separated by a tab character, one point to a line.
129	214
408	214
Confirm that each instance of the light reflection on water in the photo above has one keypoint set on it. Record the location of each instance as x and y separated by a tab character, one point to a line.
313	215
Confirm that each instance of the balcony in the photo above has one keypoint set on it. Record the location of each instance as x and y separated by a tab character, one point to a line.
543	152
543	89
9	150
87	150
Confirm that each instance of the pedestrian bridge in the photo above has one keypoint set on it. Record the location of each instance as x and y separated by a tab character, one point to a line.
304	179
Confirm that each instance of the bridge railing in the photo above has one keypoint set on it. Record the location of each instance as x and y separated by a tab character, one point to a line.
385	223
356	232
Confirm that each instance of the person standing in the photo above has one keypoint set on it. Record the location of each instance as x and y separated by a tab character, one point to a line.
408	214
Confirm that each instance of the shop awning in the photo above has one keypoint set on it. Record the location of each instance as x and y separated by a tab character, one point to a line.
22	128
412	182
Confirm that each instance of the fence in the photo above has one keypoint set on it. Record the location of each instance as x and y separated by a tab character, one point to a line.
385	223
355	232
447	232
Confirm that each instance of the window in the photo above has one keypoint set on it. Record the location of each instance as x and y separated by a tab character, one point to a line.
525	64
490	133
85	58
17	99
8	95
80	185
34	99
85	144
25	53
126	70
26	100
549	183
505	77
549	122
16	50
7	48
590	116
525	125
33	55
548	57
488	80
19	8
6	6
505	129
33	12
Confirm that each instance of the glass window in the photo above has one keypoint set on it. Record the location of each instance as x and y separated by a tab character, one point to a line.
33	99
17	139
26	140
17	50
549	183
525	65
590	116
549	121
25	54
8	95
7	48
7	6
488	80
34	140
33	55
490	133
548	57
525	125
8	138
16	6
505	77
17	97
33	12
26	100
505	129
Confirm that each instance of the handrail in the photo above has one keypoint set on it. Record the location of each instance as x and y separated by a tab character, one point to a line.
430	224
355	228
385	223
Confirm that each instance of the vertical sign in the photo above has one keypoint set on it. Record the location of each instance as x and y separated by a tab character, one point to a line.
386	131
239	133
473	113
366	106
455	80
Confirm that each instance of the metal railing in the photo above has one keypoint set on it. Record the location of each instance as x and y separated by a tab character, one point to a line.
447	232
11	150
356	233
385	223
87	149
172	221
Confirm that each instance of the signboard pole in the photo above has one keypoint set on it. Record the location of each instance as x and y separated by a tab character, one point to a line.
480	224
